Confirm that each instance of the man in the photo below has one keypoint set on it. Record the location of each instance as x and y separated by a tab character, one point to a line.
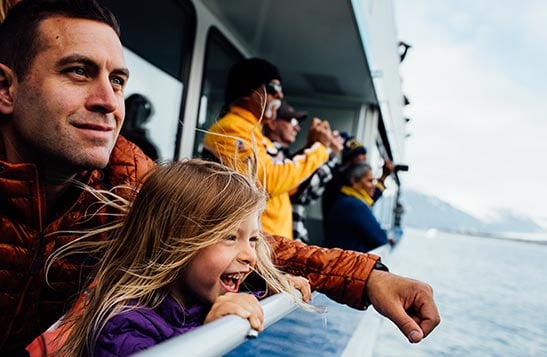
253	86
282	132
62	75
283	129
61	108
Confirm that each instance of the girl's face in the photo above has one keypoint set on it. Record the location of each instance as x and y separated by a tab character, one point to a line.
222	267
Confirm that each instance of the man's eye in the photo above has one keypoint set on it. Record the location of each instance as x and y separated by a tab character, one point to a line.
78	71
118	81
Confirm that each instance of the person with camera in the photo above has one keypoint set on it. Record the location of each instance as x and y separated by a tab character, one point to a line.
253	95
282	131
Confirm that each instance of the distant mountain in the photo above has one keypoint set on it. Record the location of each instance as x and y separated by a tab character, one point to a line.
424	211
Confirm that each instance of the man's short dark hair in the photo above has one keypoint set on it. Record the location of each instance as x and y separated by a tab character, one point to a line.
246	76
19	40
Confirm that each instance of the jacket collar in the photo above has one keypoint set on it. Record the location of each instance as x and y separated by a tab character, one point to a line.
360	194
245	114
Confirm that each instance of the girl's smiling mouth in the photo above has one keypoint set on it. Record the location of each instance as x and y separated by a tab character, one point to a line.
232	281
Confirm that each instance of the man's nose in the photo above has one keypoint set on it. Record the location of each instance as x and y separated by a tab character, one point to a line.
102	96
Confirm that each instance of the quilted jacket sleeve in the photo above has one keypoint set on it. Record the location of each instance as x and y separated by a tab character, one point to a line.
340	274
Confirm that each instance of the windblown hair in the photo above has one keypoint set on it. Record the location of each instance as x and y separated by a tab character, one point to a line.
19	32
181	208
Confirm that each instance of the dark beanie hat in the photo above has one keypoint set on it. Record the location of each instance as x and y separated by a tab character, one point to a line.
246	76
352	148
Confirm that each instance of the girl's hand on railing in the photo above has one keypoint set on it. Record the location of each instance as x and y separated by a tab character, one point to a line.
302	284
240	304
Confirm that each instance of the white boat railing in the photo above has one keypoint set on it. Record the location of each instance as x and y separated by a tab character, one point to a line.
223	335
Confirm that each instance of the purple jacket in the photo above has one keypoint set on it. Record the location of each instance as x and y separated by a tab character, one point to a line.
136	330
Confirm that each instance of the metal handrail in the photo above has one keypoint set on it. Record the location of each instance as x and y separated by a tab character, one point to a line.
223	335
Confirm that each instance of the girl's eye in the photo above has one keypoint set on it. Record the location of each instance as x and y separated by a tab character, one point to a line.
231	238
253	241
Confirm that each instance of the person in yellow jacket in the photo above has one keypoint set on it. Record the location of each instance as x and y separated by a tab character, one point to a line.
254	92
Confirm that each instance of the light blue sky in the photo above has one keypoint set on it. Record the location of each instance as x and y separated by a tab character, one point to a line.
477	81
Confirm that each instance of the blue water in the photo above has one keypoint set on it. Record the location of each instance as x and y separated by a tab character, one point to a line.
491	293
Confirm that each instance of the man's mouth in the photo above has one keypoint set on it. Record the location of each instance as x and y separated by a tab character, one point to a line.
97	127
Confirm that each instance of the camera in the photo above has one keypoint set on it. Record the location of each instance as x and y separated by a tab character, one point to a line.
400	167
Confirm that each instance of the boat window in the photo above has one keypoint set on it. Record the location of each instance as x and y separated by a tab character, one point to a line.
158	39
220	55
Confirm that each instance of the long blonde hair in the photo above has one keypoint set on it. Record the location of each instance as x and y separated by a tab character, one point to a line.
182	207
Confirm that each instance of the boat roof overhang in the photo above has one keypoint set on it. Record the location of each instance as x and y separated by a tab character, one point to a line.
316	45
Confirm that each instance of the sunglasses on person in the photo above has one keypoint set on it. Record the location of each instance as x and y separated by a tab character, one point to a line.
273	88
293	121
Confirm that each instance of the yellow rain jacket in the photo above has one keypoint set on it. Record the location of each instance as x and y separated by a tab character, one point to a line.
233	139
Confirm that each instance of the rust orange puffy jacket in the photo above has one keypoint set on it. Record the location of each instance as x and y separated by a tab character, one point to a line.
28	236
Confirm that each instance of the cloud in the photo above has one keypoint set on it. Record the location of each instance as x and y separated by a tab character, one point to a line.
478	122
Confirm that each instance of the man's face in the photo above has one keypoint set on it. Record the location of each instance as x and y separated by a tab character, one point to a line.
69	108
287	130
274	92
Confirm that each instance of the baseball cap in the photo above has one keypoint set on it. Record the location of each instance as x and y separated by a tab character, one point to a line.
286	112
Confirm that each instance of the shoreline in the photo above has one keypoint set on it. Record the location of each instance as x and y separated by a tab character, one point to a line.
499	236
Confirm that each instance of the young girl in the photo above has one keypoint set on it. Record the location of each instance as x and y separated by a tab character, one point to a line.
177	260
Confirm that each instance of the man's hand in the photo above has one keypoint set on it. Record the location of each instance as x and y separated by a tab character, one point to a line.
407	302
387	169
319	131
240	304
336	142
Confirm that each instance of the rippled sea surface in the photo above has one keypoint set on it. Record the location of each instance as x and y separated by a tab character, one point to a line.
492	295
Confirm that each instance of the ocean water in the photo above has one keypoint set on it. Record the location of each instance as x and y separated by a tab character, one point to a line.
491	293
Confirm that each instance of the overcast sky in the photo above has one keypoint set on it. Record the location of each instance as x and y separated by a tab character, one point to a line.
476	76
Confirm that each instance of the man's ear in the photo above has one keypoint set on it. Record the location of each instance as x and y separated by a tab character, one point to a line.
8	82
